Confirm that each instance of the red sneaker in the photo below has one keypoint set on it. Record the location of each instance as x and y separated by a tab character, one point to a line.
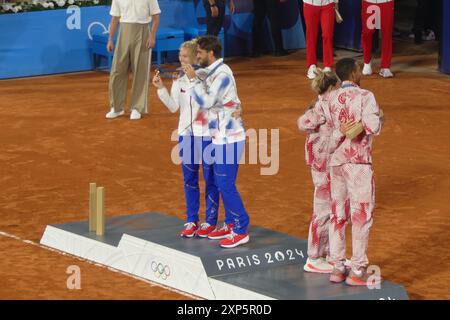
221	233
190	230
205	230
234	240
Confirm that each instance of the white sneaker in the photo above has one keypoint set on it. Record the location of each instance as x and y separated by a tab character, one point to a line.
135	115
327	69
112	114
367	70
317	266
311	72
429	36
386	73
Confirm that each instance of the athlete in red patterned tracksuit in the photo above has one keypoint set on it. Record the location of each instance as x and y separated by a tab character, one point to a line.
352	183
319	128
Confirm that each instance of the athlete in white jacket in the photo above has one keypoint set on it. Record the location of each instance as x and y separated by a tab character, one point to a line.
217	94
194	138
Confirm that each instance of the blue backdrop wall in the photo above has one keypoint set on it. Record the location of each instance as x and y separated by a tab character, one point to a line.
57	41
348	33
445	44
47	42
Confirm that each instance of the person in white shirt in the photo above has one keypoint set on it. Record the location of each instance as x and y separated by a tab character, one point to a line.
132	52
194	139
319	12
373	11
217	93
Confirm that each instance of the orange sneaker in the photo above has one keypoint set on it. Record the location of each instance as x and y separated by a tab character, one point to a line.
221	233
234	240
362	279
337	276
190	230
205	230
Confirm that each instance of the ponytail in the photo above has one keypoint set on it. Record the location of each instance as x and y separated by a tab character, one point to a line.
323	81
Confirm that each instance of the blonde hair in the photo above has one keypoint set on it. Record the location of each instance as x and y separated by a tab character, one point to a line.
323	81
191	46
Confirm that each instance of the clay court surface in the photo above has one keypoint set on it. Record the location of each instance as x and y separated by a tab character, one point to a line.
55	140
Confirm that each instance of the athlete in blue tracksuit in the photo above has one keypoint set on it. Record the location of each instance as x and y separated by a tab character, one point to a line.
217	94
194	142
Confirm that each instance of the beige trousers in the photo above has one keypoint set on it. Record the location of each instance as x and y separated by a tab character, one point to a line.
132	55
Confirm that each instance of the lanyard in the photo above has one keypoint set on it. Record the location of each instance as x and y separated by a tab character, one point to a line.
349	85
213	70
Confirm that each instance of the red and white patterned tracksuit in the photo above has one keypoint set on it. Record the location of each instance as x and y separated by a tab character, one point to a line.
352	182
318	157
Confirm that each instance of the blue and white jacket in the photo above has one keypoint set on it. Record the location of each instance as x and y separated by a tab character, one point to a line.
216	95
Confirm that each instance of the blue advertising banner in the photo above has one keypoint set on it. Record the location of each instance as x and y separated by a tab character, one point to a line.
47	42
58	41
348	34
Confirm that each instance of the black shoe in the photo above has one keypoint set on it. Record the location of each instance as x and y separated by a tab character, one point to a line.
280	53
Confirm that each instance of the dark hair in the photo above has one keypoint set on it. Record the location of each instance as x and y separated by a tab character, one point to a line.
345	67
210	43
323	81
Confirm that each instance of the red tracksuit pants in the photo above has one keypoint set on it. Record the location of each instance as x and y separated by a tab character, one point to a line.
314	15
386	19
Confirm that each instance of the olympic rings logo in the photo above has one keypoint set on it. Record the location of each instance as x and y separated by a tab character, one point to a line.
160	270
